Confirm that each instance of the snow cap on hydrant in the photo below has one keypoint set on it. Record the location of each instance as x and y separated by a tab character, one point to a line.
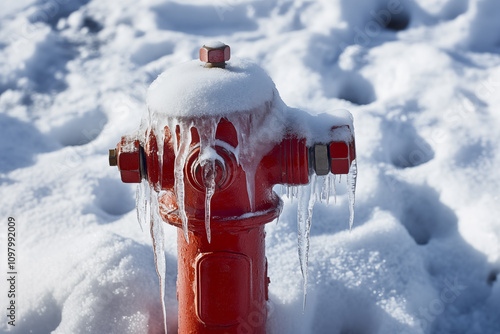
216	139
192	89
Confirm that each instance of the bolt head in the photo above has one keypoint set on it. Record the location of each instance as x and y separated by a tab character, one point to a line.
113	161
215	55
129	157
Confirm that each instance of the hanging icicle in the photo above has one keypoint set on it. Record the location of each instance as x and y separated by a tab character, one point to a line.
351	190
142	203
158	238
207	128
182	150
306	198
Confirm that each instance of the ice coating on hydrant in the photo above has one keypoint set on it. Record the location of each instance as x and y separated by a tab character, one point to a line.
242	92
192	94
257	132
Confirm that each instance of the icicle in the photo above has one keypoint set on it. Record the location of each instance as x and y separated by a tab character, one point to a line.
141	203
251	146
351	190
157	235
243	126
332	187
209	176
306	198
158	129
207	129
182	150
324	194
250	177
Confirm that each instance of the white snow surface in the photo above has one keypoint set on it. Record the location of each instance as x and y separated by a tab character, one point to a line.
190	89
421	79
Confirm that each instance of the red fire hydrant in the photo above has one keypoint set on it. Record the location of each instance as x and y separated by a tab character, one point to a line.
216	141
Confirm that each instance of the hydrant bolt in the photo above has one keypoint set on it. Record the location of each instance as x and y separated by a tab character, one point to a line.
129	157
113	161
341	155
321	159
215	56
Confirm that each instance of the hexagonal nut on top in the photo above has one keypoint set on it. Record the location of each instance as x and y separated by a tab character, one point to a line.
215	54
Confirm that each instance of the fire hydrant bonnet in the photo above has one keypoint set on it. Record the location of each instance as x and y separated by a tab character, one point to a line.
192	90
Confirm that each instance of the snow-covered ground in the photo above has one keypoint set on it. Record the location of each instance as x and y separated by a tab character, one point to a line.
421	78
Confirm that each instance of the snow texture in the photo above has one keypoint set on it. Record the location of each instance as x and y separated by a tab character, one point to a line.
421	79
214	44
190	89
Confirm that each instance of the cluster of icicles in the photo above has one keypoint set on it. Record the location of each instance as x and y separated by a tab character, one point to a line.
250	150
320	189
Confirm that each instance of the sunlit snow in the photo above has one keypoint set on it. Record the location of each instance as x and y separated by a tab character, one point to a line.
420	77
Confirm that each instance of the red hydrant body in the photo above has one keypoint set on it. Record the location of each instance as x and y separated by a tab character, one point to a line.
222	282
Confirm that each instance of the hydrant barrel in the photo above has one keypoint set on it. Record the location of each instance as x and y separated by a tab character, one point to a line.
222	285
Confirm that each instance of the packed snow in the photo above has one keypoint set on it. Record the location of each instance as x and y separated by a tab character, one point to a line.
190	89
421	79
